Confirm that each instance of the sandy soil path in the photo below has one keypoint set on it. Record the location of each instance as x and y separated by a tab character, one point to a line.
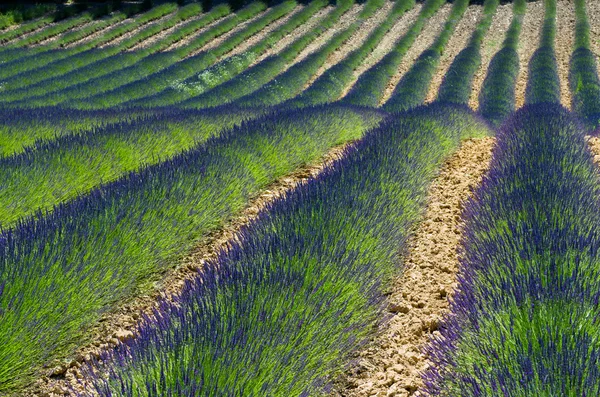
492	42
392	363
565	38
432	29
58	36
25	35
119	325
355	40
528	43
295	34
164	33
386	44
97	34
458	41
593	12
220	39
118	40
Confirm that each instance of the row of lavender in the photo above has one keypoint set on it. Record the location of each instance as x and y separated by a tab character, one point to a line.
279	311
524	321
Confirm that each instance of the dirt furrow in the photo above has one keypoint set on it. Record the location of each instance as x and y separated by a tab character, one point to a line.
118	40
593	12
343	23
58	36
354	42
528	42
295	34
387	43
565	38
424	40
391	364
492	42
220	39
97	34
119	324
261	35
458	41
25	35
164	33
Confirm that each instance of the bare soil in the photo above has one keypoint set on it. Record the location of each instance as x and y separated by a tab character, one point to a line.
97	34
25	35
118	40
58	36
458	41
594	145
528	43
391	365
188	39
295	34
164	33
119	325
355	41
593	11
492	42
386	44
432	29
344	22
565	38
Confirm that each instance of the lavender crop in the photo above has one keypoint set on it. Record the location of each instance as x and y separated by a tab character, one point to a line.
525	318
276	313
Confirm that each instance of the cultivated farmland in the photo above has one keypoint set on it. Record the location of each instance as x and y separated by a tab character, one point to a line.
321	198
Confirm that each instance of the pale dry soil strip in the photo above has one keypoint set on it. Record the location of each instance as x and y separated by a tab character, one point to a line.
387	43
459	40
164	33
261	35
565	39
593	13
189	38
343	23
492	42
123	37
594	145
119	325
298	32
528	42
392	363
97	34
220	39
355	41
25	35
54	38
424	40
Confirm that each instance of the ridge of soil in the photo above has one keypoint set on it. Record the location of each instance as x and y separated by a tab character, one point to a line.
458	41
433	27
528	43
215	42
98	33
387	43
164	33
295	34
564	41
54	38
492	42
131	33
355	40
119	324
392	363
343	23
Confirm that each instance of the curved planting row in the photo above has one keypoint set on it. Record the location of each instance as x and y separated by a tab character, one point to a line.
543	84
284	306
370	86
583	72
96	66
457	84
60	271
412	88
24	60
524	321
330	85
291	82
178	84
497	96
